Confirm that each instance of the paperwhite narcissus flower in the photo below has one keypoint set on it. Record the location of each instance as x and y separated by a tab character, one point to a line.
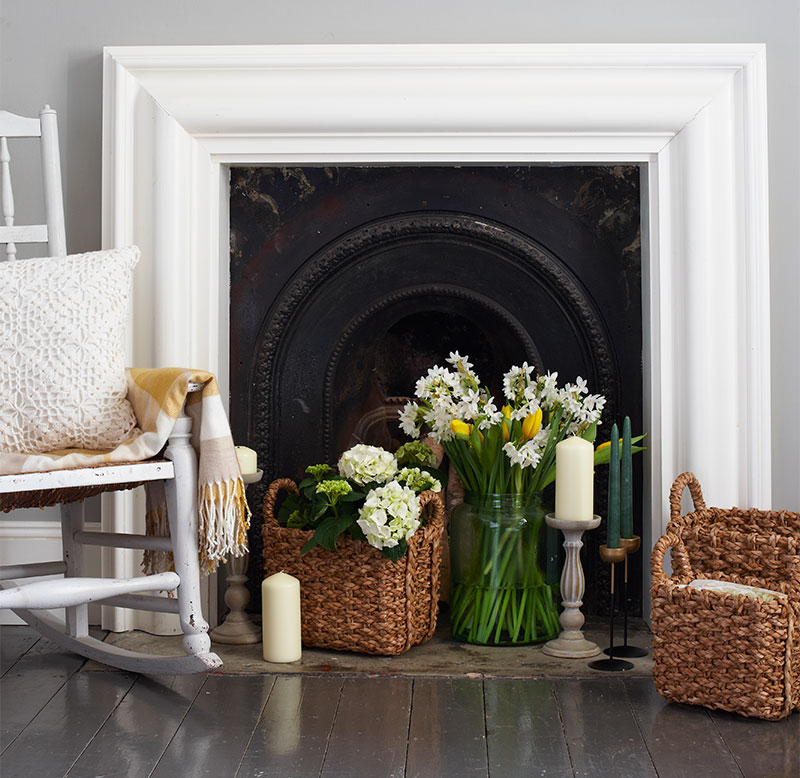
390	514
365	464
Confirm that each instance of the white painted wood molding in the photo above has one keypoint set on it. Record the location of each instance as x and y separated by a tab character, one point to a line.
175	118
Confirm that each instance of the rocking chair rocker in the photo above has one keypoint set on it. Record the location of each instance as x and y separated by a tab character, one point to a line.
70	487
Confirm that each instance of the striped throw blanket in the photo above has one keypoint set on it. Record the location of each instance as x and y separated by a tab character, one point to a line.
157	397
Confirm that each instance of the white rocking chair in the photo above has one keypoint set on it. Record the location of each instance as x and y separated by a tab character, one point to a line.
69	488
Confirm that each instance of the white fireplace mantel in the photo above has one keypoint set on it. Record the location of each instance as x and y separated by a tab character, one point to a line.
175	119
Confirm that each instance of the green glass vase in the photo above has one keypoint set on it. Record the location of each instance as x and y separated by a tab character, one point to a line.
503	589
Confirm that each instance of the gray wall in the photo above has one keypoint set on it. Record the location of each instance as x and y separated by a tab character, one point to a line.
51	53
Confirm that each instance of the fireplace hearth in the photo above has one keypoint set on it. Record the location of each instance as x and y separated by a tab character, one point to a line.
348	283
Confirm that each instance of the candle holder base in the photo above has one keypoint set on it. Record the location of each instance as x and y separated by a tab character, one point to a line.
628	652
570	648
611	665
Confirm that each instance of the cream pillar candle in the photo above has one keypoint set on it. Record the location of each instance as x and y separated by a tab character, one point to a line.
248	460
280	618
574	480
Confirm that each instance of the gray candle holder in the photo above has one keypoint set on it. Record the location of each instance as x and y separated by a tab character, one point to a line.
571	644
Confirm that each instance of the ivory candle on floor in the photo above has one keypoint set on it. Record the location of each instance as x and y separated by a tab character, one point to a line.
280	618
574	480
248	460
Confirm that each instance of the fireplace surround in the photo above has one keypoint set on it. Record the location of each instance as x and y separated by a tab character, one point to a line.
176	118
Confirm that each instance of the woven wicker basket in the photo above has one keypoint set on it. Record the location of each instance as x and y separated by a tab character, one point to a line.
722	650
355	599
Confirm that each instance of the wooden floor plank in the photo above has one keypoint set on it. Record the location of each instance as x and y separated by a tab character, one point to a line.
213	737
523	729
371	729
51	743
30	684
14	643
291	737
682	739
138	731
762	749
602	734
447	737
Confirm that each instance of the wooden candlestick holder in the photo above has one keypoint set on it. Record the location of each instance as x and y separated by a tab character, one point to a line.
571	644
612	556
238	629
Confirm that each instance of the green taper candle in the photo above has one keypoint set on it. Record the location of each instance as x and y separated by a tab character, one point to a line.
612	535
626	487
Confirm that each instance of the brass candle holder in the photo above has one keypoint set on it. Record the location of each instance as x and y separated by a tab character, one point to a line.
612	556
631	546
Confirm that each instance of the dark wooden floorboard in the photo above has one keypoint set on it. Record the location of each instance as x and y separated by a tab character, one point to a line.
370	732
138	731
762	749
523	729
602	735
30	683
215	734
54	740
291	737
682	739
14	642
447	737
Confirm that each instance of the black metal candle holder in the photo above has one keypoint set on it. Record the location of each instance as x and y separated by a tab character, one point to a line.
612	556
631	546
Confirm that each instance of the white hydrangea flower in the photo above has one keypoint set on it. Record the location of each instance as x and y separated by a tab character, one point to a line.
390	513
364	464
415	479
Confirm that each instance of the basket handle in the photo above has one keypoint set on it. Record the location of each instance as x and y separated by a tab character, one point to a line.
272	495
682	569
676	492
432	502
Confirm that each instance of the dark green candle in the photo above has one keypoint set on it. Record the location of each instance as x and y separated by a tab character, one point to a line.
626	483
612	535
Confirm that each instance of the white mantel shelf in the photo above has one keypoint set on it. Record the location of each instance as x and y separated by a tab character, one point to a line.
176	118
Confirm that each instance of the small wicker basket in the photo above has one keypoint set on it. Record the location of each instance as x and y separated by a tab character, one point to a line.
355	599
719	649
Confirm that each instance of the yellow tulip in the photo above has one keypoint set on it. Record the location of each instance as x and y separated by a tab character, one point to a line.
606	445
506	411
532	424
460	427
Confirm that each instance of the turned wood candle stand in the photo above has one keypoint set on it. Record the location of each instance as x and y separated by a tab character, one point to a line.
238	629
571	644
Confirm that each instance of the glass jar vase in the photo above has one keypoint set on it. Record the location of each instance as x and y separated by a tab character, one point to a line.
501	592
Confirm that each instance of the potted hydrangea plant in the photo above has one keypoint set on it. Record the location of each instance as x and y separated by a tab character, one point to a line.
364	539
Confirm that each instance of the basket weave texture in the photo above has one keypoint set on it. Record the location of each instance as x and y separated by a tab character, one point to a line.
355	599
722	650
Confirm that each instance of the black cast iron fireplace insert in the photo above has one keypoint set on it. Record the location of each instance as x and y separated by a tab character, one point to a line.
348	283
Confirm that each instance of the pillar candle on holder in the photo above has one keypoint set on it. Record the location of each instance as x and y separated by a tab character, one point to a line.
612	532
248	460
626	483
574	480
280	618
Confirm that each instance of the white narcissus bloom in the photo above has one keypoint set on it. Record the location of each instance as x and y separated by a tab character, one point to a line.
411	419
364	464
390	514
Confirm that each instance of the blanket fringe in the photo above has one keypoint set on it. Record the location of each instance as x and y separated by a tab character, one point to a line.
224	518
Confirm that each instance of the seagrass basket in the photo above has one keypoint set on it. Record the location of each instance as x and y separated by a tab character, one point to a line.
736	651
355	599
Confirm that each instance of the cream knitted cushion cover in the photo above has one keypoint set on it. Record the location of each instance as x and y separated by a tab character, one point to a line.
62	361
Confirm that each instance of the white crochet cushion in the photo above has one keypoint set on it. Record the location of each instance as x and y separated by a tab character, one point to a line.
62	362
